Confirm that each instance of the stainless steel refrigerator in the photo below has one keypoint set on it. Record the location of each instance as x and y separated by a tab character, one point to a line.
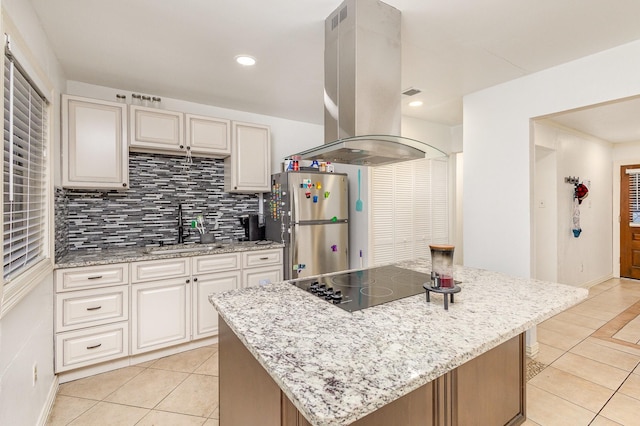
308	211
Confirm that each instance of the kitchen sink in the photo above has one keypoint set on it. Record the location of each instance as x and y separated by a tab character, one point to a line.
178	250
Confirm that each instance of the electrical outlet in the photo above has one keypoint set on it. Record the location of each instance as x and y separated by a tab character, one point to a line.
35	373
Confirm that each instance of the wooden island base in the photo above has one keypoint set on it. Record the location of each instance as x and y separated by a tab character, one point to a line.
488	390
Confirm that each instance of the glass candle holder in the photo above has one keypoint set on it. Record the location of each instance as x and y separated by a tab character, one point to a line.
442	265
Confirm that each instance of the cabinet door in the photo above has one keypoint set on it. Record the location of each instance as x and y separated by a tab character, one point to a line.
205	316
207	135
94	144
160	314
259	276
248	168
155	129
497	375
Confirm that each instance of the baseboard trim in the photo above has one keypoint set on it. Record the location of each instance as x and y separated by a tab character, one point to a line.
532	350
48	405
597	281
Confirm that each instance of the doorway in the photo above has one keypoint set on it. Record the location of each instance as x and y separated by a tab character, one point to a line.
630	221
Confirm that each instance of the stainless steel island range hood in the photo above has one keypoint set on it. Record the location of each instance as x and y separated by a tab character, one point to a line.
362	95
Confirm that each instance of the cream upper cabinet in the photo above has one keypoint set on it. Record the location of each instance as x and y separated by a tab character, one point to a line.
155	129
94	144
248	168
208	136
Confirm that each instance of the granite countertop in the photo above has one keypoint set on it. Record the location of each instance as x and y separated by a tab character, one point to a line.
337	367
78	258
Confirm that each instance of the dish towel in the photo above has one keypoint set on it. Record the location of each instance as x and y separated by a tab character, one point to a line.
576	218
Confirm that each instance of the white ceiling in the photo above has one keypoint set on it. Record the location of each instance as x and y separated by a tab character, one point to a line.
616	122
185	49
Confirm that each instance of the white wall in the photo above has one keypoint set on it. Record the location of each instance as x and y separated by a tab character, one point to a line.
587	259
546	214
498	154
437	135
26	331
26	338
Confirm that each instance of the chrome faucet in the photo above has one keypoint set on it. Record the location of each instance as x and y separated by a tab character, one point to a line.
180	227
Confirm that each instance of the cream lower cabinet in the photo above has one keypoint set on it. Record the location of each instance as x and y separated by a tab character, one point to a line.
160	314
211	274
107	312
261	267
205	316
91	315
160	304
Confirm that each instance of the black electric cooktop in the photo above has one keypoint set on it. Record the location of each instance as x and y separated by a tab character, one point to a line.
353	291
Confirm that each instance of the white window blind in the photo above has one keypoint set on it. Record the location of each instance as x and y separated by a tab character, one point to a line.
24	179
634	196
409	209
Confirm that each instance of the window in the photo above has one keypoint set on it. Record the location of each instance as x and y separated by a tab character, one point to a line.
24	172
634	196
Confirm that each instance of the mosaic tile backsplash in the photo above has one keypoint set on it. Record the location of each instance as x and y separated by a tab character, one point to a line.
147	212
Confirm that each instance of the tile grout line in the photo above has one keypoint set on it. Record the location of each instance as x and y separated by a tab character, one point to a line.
615	393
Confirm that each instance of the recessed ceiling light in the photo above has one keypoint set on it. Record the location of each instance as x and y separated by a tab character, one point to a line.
415	103
246	60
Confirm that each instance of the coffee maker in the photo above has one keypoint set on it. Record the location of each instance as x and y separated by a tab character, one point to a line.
253	231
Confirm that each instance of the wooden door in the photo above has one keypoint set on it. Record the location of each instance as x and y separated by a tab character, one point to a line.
630	221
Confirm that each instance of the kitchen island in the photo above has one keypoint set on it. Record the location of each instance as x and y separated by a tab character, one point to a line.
288	357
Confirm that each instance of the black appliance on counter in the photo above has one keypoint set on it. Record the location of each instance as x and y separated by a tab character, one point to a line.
253	230
353	291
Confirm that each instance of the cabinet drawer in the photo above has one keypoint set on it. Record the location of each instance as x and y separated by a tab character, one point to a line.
91	307
216	263
261	257
261	276
92	277
80	348
160	269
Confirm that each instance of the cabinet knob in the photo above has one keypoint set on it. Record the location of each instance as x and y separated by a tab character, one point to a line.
195	279
181	146
188	281
124	185
188	148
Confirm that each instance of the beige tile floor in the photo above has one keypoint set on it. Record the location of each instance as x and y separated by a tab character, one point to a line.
589	356
180	390
592	359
